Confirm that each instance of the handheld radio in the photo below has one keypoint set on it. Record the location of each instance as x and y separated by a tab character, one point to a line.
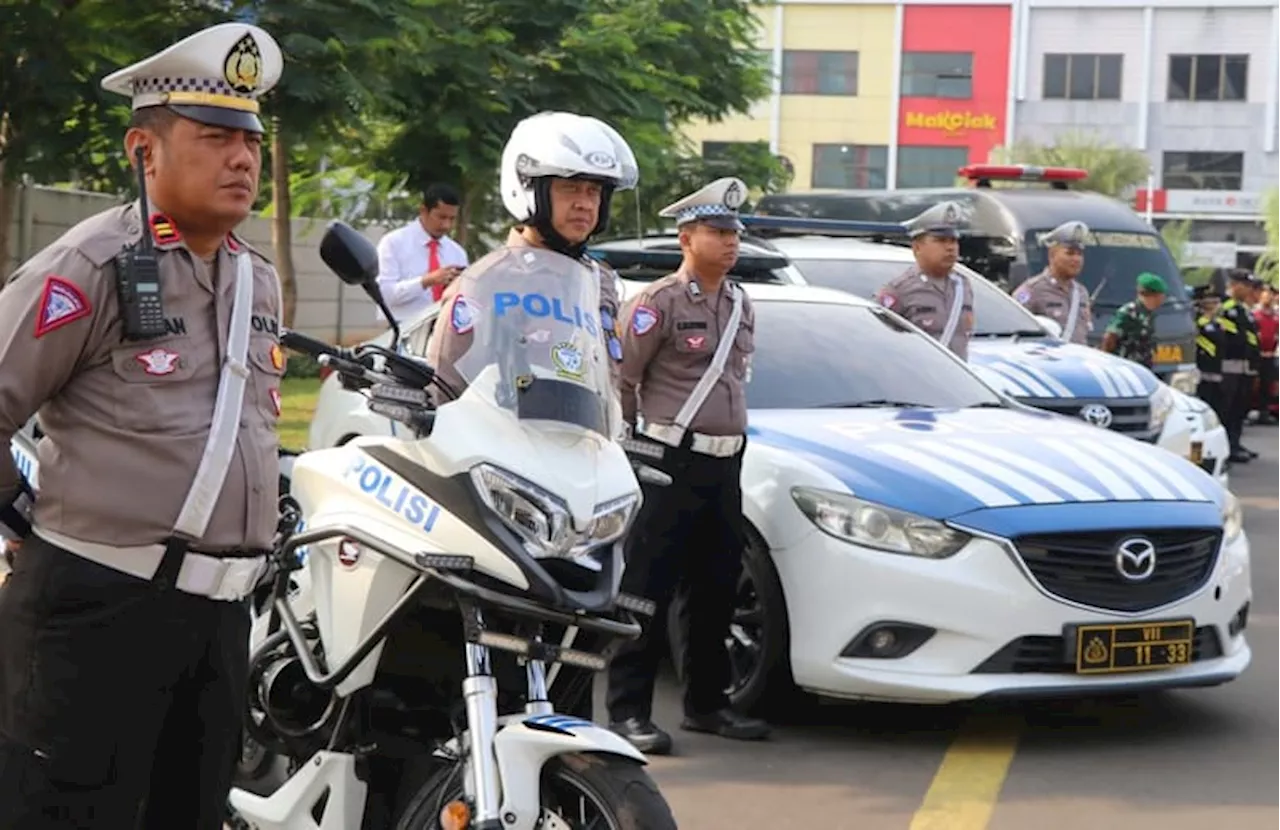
138	276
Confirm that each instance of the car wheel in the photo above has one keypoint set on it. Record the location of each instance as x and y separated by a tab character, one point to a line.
759	637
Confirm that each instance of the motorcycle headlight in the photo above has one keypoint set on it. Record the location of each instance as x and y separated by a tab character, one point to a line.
1185	381
875	526
542	520
1161	406
1232	518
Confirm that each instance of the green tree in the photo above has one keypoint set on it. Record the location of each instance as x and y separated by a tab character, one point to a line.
484	66
1268	265
1114	170
1177	237
56	122
334	55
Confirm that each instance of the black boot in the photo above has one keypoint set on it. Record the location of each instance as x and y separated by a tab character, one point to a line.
643	735
727	724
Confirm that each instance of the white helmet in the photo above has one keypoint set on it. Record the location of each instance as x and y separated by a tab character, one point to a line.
563	145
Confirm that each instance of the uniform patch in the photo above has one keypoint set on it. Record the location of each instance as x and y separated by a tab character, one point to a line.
568	360
643	320
463	318
888	300
275	401
277	357
163	231
1022	295
696	341
158	361
615	348
61	303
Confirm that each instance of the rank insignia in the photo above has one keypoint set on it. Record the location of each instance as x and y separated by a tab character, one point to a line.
163	231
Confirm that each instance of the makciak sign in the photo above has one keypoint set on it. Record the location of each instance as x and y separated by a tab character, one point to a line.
951	121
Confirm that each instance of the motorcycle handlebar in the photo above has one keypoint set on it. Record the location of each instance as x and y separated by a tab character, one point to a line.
306	344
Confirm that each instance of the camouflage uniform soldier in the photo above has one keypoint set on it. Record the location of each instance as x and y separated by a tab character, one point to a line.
1131	333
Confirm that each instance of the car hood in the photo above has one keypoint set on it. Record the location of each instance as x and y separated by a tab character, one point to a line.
945	463
1056	369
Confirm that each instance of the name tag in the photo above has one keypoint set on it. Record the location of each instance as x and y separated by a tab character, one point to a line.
689	325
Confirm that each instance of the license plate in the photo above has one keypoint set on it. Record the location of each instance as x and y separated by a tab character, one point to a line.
1115	648
1197	452
1168	353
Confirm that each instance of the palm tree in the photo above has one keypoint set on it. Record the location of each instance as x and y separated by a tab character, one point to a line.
1114	170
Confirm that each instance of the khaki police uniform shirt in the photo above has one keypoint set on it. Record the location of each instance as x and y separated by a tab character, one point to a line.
126	422
926	301
1045	295
445	345
663	362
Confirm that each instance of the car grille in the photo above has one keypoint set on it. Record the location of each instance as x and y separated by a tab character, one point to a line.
1048	655
1082	567
1132	416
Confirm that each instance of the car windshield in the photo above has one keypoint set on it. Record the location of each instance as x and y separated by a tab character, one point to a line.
535	348
816	355
1112	262
996	314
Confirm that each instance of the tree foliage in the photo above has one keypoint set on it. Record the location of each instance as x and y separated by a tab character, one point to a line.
1114	170
1268	265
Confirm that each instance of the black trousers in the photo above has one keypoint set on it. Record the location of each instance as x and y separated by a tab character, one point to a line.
1265	397
688	540
1237	395
1210	391
120	704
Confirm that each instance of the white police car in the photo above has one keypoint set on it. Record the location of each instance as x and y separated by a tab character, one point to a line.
915	536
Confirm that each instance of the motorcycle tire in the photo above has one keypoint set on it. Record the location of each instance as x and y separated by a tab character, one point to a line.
618	787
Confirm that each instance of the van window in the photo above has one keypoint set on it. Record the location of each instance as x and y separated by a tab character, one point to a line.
1112	262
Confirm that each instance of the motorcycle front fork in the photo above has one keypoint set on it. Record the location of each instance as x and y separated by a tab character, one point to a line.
480	694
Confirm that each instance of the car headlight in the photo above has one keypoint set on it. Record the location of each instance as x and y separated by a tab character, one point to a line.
1185	381
1161	406
1232	518
542	520
876	526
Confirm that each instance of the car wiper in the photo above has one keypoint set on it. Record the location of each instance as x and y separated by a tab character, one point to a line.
878	403
1017	333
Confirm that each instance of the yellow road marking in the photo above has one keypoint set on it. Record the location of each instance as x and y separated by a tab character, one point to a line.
965	789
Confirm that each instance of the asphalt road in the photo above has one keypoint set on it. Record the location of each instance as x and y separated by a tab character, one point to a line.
1181	760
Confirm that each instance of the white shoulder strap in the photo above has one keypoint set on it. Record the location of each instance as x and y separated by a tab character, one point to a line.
1069	330
718	360
212	472
957	307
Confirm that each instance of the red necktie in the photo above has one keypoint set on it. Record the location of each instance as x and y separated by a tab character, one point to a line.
433	264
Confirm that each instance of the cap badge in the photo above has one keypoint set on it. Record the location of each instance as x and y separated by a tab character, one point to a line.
243	66
733	196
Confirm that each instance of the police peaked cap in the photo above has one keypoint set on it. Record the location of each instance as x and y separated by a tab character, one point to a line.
215	76
716	204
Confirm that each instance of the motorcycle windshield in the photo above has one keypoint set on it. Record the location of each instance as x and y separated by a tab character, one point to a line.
536	349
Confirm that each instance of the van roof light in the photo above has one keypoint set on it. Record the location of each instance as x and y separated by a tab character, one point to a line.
983	174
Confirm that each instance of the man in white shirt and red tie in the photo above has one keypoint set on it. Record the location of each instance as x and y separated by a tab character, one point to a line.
416	262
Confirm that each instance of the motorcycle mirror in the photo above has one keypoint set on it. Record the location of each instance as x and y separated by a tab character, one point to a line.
349	254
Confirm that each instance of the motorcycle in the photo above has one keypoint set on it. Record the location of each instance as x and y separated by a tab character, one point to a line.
431	561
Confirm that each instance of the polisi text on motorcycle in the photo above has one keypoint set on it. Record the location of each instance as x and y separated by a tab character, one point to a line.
392	492
540	305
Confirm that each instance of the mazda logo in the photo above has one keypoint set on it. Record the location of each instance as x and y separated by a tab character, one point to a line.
1097	415
1136	559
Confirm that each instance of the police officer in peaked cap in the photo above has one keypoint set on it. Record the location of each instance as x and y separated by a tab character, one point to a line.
686	327
1055	292
123	634
931	293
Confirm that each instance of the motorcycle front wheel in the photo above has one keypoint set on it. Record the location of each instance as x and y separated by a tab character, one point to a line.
578	792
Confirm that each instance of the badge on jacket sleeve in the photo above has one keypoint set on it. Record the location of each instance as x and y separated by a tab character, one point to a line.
61	303
643	320
462	318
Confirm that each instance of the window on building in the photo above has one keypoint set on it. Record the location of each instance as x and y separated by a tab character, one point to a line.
1082	77
1203	171
812	72
1208	77
937	74
850	166
930	166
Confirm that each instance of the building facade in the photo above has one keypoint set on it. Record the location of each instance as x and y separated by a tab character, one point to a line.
900	93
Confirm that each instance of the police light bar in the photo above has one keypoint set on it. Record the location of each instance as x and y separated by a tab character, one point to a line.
983	174
822	227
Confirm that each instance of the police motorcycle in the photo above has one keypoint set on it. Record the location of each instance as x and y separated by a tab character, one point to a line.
429	561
